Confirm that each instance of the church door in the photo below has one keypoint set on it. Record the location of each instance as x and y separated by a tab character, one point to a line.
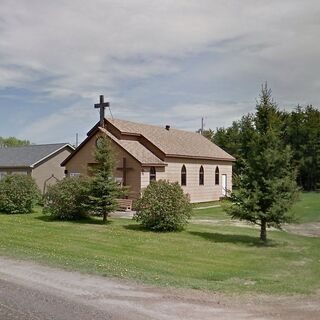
224	185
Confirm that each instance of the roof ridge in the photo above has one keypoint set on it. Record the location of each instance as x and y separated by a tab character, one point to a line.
150	125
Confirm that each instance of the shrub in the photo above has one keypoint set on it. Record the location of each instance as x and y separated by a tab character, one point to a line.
163	207
18	194
66	200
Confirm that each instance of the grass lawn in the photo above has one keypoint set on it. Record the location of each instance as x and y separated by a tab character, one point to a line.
216	213
220	258
307	209
205	204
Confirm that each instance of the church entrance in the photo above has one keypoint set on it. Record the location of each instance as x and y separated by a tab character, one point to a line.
224	185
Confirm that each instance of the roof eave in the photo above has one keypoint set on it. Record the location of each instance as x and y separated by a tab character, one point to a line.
51	154
200	157
76	150
154	164
103	130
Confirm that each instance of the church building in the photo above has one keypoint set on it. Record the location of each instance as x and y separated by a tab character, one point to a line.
146	152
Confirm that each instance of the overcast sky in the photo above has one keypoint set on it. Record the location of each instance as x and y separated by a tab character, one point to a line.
158	62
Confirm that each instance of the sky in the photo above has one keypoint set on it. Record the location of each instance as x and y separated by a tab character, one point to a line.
157	62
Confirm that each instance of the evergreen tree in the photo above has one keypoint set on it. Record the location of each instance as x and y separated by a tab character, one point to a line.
209	134
266	186
104	190
303	135
300	129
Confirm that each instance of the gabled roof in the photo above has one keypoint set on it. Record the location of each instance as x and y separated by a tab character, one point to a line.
29	156
137	150
173	142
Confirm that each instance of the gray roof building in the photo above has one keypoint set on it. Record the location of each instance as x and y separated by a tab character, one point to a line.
42	162
28	156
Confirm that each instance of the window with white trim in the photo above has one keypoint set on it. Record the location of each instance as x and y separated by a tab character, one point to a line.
153	174
217	176
201	176
183	175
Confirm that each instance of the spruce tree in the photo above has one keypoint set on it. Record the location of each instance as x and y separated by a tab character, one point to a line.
267	185
104	190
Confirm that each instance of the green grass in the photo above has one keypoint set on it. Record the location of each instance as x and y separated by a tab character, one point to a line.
205	204
220	258
307	209
210	213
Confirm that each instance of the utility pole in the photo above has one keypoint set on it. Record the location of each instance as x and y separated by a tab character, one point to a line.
77	140
202	127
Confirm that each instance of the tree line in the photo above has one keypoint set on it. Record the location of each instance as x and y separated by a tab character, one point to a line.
13	142
298	129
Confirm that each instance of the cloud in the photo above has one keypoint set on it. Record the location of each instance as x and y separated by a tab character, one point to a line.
158	59
56	126
79	43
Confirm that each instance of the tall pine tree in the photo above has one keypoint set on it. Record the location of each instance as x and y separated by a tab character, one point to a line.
104	189
303	134
267	184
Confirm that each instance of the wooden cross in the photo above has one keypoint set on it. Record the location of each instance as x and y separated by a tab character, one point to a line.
102	105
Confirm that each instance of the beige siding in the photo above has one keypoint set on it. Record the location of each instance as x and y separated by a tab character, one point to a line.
50	170
133	171
145	175
199	193
85	155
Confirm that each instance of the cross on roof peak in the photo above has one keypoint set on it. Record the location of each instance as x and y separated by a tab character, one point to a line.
102	105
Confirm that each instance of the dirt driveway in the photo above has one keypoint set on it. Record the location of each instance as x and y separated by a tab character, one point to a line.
32	291
305	229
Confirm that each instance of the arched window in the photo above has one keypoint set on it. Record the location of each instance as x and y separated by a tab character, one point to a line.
183	176
201	176
153	174
217	176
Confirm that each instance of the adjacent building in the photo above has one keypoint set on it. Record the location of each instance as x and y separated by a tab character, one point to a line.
42	162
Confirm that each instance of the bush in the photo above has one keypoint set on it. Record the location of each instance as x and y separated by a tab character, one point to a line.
18	194
163	207
66	200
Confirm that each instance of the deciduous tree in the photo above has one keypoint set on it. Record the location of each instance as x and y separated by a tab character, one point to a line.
13	142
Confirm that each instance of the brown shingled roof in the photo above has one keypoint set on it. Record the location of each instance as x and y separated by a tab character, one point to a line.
137	150
173	142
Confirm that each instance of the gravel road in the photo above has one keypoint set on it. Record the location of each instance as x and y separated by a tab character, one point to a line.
29	291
